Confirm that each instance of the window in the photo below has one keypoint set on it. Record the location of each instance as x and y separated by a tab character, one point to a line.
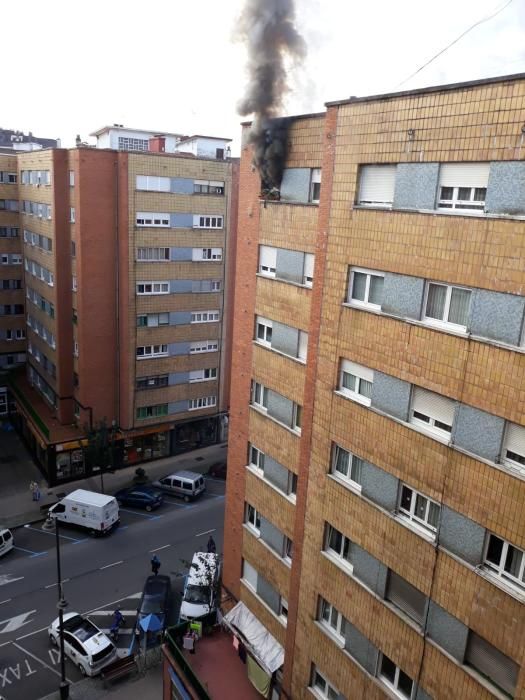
505	560
338	545
308	269
256	458
267	260
152	219
448	305
288	549
259	395
153	183
331	618
263	331
492	663
376	185
356	382
75	348
463	186
199	254
71	215
73	249
216	285
153	320
8	178
203	375
204	346
395	678
514	447
207	221
203	402
347	466
283	609
150	288
433	412
419	509
302	346
153	254
8	232
152	382
249	574
152	411
204	316
16	259
406	597
365	288
292	484
146	351
131	144
208	187
322	688
74	284
315	185
253	519
71	178
297	417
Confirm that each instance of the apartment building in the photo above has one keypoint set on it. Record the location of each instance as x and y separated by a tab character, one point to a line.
127	303
376	470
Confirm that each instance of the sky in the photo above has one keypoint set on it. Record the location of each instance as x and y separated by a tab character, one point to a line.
178	66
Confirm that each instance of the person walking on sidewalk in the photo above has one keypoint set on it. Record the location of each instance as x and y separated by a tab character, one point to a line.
36	492
32	487
155	564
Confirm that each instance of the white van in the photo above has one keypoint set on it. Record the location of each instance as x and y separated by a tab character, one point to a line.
95	511
6	541
187	485
200	589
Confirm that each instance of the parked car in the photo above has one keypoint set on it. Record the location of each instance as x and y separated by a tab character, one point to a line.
201	588
140	497
156	599
187	485
6	541
96	512
87	647
218	470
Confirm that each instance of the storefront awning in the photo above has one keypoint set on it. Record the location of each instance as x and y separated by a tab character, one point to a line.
262	645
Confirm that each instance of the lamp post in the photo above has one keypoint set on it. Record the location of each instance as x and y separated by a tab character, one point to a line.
61	605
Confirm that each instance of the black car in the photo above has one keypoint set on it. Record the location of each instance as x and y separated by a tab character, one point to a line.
140	496
156	598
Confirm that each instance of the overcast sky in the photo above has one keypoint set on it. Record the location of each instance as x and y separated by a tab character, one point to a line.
175	65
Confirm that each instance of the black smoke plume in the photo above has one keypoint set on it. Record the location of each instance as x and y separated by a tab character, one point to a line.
267	27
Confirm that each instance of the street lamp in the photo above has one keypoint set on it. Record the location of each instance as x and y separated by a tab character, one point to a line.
61	605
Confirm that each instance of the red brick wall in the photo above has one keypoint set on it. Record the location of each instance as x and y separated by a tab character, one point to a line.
126	351
244	304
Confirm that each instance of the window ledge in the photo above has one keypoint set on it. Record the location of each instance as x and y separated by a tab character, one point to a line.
441	212
279	279
500	583
278	617
415	527
293	203
260	476
279	352
278	422
272	551
338	641
354	397
344	482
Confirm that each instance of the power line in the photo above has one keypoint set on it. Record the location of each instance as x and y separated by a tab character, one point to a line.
481	21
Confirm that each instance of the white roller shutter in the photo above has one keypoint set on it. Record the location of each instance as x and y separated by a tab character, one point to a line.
216	183
515	440
433	405
491	662
406	597
309	260
464	174
267	256
357	370
376	184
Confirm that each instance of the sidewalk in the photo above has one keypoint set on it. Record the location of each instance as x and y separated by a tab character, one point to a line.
17	470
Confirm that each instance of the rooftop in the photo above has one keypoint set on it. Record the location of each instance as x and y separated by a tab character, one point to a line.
120	127
8	138
201	136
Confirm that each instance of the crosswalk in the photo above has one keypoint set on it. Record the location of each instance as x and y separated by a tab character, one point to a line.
103	619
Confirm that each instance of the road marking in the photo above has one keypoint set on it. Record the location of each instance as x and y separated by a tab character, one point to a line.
29	551
37	554
49	668
79	541
45	532
176	503
206	532
7	600
51	585
133	595
159	548
130	613
8	578
14	623
142	515
30	634
115	563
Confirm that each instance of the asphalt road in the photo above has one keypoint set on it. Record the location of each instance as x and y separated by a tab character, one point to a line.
97	574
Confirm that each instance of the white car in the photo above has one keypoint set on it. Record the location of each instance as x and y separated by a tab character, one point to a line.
87	647
6	541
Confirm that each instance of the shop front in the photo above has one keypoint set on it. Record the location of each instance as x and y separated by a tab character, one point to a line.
146	446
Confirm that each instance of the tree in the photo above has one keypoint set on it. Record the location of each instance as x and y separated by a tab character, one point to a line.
100	450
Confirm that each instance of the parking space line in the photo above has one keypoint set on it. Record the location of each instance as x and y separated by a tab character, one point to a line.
51	585
29	551
142	515
45	532
206	532
37	554
7	600
176	503
49	668
79	541
159	548
107	605
30	634
115	563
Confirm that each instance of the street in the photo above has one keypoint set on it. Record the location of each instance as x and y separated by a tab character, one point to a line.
98	575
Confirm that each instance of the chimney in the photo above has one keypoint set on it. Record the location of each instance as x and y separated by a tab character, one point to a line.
157	144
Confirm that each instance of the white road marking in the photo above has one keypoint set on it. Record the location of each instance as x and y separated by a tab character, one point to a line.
159	548
8	578
207	532
115	563
30	634
49	668
52	585
14	623
133	595
112	612
7	600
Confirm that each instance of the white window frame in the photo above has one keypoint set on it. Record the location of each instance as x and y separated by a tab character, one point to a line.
74	283
410	515
259	396
336	622
152	288
365	303
267	260
205	316
263	325
326	692
308	269
354	464
287	550
283	610
456	176
360	374
148	219
249	575
517	434
154	254
395	685
201	346
498	570
152	351
259	455
315	179
206	254
208	221
433	425
444	322
202	402
366	172
302	346
203	375
153	183
72	215
336	555
71	178
216	285
297	418
252	519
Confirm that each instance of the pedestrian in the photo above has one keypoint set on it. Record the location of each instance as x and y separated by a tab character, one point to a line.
36	492
155	564
211	546
32	487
